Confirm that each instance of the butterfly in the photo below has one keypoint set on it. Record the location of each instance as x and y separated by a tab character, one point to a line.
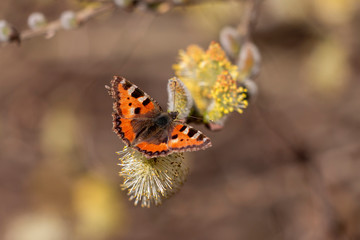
141	123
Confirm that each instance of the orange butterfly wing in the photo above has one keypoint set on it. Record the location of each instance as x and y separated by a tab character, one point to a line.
181	138
186	138
153	149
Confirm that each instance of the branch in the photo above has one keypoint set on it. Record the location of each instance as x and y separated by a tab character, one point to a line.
82	17
249	19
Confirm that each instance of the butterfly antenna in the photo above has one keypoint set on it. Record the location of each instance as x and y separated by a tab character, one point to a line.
196	118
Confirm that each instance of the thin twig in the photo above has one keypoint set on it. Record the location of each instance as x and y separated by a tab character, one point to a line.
249	19
82	17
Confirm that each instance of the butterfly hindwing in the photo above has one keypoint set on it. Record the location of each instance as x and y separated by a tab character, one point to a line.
152	139
153	149
123	128
186	138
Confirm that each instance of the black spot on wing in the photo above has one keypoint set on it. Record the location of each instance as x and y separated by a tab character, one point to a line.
183	128
137	93
174	136
200	137
192	132
127	85
146	102
137	110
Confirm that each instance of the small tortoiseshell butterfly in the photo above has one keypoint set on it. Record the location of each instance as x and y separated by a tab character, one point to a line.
141	123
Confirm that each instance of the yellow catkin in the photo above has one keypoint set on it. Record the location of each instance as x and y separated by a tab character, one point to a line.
211	80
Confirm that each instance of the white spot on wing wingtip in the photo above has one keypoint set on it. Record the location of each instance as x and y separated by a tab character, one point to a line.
207	141
131	89
186	131
196	135
142	99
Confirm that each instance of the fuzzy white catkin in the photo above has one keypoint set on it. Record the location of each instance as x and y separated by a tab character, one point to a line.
68	20
5	31
230	41
36	20
249	50
151	180
178	1
123	3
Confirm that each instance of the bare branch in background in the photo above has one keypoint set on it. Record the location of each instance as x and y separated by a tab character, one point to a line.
82	16
250	16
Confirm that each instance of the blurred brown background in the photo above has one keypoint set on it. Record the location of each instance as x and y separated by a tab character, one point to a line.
288	168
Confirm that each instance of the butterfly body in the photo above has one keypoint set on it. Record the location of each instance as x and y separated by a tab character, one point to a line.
141	123
163	120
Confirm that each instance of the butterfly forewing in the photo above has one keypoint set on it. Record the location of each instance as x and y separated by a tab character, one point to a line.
186	138
131	101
